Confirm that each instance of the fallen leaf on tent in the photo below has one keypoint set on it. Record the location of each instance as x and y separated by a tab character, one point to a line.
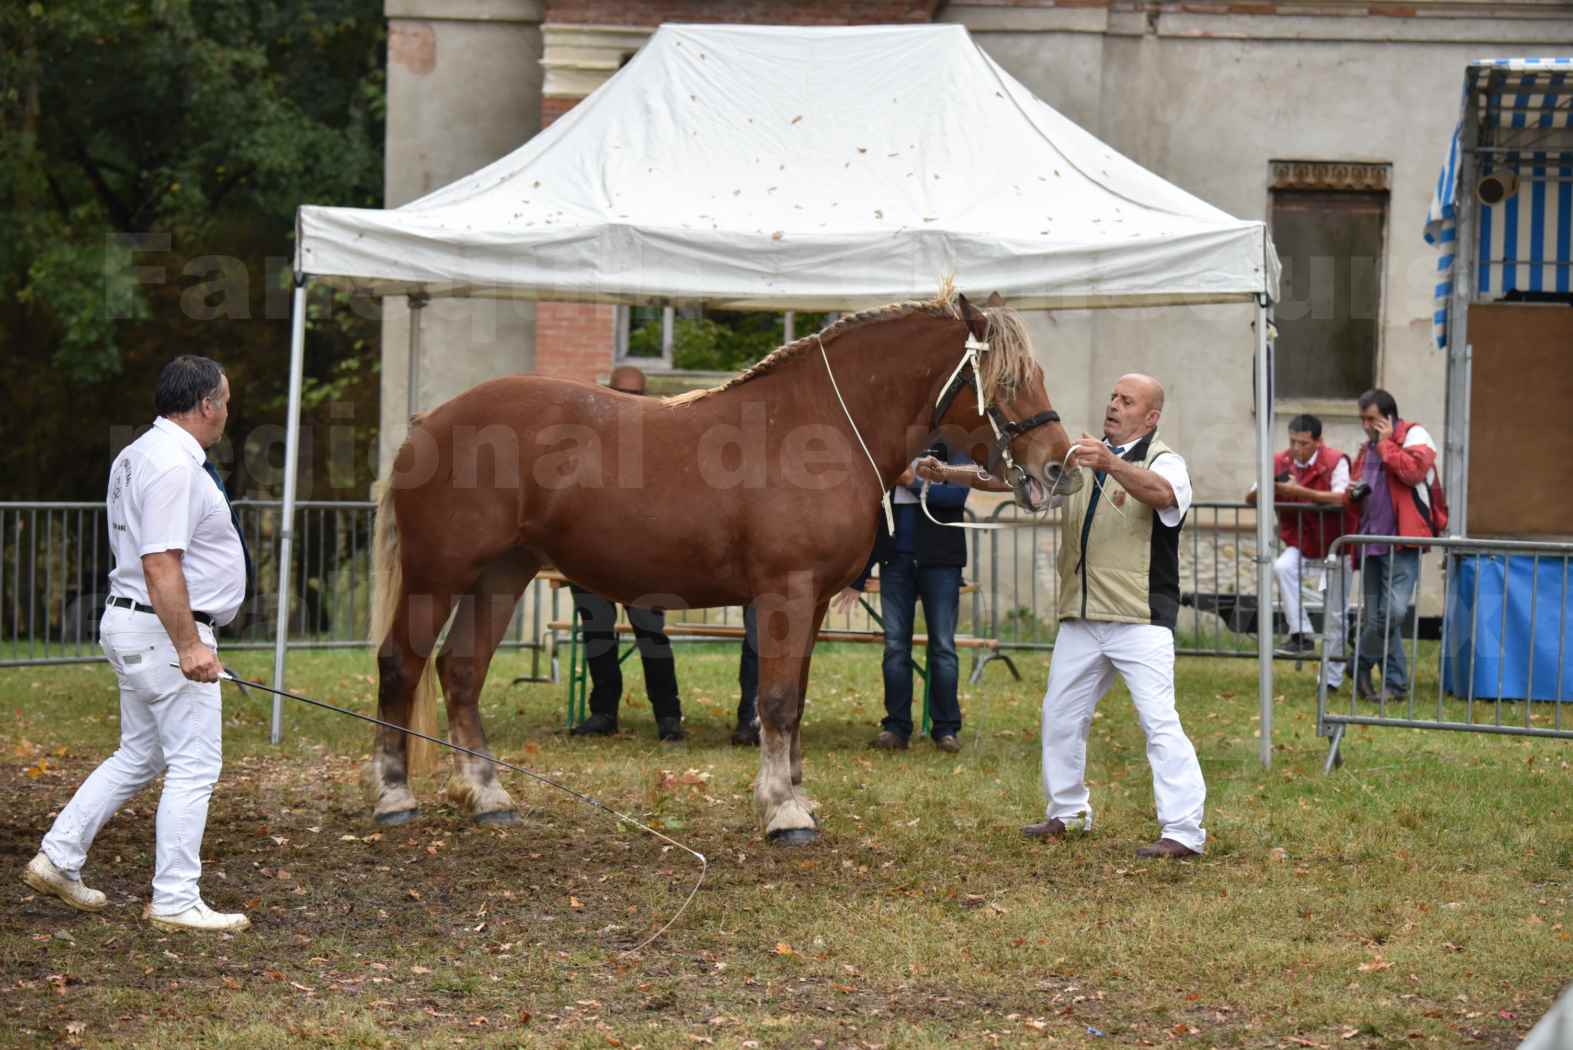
776	236
797	118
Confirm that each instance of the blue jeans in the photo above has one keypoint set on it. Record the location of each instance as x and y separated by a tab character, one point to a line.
1389	584
901	584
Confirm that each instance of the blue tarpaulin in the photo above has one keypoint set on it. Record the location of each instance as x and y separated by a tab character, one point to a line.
1509	627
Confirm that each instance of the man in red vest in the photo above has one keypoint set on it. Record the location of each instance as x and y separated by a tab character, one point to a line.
1310	472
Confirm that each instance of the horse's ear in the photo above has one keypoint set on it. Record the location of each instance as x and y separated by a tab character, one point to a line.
976	323
995	299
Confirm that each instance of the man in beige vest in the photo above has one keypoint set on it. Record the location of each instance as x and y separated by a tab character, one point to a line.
1119	566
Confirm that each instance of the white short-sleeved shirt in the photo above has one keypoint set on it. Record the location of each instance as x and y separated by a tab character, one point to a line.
160	499
1170	466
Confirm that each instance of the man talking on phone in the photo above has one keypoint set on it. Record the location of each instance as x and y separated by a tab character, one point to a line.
1398	493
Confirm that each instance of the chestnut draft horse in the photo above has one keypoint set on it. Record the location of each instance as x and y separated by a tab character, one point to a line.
764	490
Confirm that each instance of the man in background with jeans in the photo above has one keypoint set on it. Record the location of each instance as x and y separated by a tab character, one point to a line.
1398	494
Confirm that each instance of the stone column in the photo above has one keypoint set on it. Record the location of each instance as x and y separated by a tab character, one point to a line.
464	88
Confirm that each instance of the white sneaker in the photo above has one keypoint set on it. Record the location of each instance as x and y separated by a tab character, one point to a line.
43	876
199	917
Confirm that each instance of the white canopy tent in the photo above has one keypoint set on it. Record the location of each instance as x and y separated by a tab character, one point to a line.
800	168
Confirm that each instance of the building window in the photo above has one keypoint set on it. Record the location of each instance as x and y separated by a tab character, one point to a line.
1329	223
693	339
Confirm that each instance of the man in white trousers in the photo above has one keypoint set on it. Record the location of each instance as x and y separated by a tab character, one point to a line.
1119	566
180	572
1310	471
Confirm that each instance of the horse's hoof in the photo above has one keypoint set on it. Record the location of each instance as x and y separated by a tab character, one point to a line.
398	816
792	836
497	816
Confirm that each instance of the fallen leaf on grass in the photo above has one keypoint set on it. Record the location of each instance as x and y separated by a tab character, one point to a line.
420	969
1373	965
575	903
75	1027
783	948
1297	1041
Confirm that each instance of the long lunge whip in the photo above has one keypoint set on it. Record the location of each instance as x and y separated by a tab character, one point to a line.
704	865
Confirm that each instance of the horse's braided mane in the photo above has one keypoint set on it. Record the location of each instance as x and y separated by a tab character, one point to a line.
1007	365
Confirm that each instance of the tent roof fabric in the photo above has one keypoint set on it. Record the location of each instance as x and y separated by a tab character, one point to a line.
756	167
1524	110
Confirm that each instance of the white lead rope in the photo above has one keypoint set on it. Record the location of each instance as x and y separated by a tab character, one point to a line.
983	475
879	480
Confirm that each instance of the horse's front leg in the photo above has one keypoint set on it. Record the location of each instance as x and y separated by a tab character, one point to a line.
787	813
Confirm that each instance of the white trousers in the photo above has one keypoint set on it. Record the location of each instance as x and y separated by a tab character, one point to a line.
168	724
1294	570
1087	654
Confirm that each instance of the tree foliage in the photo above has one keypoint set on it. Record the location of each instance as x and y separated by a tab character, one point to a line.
154	153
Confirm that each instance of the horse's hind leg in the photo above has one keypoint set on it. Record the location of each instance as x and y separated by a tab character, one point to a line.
400	663
482	619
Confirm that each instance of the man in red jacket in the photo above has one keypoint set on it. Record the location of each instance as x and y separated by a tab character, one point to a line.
1310	472
1398	493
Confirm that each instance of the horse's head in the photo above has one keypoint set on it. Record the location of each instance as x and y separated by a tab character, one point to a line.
1016	434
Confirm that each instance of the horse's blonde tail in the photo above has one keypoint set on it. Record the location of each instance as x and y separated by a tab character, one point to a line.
387	591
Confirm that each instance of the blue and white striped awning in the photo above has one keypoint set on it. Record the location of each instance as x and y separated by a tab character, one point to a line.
1523	242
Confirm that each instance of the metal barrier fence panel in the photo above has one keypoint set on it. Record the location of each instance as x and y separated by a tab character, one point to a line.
55	562
1498	663
54	579
1018	577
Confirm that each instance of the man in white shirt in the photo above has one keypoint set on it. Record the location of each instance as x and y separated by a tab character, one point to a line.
180	573
1119	599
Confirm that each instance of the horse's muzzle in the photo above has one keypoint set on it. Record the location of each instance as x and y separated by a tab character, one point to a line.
1061	482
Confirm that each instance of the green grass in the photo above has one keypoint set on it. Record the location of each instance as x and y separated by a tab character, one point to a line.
1418	896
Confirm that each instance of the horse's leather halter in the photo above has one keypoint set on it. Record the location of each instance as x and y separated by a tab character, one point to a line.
1005	429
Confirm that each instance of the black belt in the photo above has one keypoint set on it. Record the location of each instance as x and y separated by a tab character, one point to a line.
127	603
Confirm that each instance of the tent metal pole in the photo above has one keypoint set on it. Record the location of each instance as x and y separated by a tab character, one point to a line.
413	395
297	357
1264	530
1459	358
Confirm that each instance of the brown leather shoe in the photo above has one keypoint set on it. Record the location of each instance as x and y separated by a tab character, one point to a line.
1166	849
948	744
888	741
1052	828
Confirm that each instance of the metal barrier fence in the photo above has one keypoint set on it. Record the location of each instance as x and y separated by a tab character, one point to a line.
54	578
1499	659
54	570
1018	580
